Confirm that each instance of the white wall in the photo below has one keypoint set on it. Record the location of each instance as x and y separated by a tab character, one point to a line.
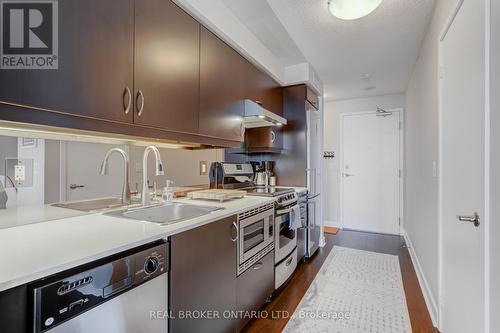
421	151
331	167
181	166
495	168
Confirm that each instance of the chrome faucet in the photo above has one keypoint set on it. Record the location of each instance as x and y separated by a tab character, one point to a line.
104	171
158	168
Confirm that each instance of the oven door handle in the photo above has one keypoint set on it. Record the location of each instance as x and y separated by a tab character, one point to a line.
235	227
286	211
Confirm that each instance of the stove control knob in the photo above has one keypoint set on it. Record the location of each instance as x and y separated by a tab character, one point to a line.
151	265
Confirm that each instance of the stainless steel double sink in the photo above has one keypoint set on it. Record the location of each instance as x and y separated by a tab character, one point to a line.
166	213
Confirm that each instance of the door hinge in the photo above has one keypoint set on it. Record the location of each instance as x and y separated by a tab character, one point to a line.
400	173
400	125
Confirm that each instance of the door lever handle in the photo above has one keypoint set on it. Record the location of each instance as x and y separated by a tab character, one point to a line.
347	175
471	219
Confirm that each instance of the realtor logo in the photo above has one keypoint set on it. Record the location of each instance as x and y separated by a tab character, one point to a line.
29	31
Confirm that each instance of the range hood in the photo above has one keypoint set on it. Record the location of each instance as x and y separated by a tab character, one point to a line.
256	116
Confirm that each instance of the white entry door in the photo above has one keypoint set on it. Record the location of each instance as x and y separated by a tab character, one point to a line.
82	164
462	95
371	157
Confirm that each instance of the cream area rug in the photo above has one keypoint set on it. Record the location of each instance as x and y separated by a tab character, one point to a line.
355	292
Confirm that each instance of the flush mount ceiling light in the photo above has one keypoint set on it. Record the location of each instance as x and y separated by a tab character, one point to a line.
352	9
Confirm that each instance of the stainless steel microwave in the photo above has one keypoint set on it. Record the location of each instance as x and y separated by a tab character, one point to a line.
256	235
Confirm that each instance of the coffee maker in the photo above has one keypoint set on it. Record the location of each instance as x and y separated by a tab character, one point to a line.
269	171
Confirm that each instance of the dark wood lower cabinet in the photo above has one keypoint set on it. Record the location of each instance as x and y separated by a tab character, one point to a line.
14	312
203	278
255	285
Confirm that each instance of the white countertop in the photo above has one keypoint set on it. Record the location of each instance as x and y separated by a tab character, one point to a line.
297	189
32	251
15	217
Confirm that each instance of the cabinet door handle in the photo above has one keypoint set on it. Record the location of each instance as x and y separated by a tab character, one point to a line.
127	100
242	129
259	102
273	136
140	103
234	226
258	266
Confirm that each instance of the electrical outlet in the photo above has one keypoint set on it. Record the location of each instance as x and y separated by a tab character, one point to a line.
19	173
203	168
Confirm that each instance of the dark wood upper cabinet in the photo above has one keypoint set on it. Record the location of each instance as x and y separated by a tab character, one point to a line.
222	88
96	44
166	66
264	140
143	68
262	88
312	98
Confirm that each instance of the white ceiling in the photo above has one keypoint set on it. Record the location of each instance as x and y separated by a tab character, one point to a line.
383	45
260	19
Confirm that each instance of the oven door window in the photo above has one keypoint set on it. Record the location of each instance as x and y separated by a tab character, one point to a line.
286	234
253	235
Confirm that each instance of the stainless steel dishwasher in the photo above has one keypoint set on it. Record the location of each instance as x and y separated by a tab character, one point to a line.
126	293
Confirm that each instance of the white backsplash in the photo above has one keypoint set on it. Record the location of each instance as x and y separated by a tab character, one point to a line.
58	164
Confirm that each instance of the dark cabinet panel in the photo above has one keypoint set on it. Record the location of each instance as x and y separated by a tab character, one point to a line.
203	276
15	315
96	40
264	139
255	285
166	66
263	89
312	97
222	88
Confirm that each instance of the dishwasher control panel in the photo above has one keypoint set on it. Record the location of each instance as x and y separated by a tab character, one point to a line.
66	295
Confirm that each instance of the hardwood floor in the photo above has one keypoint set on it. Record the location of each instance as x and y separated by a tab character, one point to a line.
287	299
330	230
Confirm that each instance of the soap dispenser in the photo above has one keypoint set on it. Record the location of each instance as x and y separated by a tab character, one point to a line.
168	191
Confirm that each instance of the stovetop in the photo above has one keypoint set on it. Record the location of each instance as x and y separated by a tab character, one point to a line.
268	191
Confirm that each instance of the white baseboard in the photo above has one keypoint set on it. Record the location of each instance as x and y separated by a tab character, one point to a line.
424	286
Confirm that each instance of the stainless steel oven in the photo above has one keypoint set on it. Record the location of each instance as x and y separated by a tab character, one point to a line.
285	236
287	219
255	235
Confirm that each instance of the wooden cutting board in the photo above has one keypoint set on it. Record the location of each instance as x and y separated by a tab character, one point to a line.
180	192
216	194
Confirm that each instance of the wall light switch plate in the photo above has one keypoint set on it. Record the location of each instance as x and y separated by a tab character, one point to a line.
203	168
